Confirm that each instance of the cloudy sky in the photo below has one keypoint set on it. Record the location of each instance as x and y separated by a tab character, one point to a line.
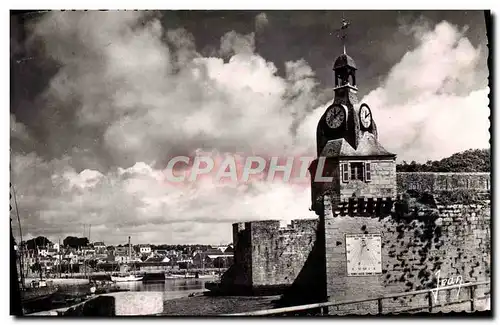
100	101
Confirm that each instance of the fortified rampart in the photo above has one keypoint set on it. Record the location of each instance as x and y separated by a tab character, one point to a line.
432	182
417	243
421	235
269	255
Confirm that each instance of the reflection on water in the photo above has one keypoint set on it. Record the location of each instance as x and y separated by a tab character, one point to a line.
172	288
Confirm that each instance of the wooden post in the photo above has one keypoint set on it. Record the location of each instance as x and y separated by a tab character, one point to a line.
326	308
379	305
429	298
471	290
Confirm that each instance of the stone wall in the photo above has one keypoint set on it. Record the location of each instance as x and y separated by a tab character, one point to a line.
420	236
454	240
381	185
432	182
240	273
279	253
331	169
268	253
382	182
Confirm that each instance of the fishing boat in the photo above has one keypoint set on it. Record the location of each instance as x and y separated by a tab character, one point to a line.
206	276
36	294
186	275
126	278
108	287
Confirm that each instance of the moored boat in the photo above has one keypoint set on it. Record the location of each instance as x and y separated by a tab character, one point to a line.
126	278
207	276
37	298
179	276
37	294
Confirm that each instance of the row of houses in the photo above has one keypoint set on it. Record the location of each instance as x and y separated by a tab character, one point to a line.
97	256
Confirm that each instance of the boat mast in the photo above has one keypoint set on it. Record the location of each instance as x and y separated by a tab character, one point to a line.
21	244
15	293
90	243
85	264
38	261
129	252
60	258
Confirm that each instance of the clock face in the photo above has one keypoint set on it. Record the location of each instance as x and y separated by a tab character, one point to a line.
364	254
335	116
365	115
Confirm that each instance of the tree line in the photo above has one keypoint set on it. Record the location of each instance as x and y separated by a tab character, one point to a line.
79	242
70	241
472	160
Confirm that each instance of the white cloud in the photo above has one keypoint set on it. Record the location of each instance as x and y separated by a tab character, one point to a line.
428	107
138	199
19	136
155	96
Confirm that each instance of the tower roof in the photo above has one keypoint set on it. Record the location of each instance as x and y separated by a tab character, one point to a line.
368	146
344	60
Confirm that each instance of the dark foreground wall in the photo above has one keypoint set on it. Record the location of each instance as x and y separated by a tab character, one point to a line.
113	304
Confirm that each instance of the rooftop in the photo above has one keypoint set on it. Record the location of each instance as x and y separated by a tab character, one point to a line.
368	146
344	60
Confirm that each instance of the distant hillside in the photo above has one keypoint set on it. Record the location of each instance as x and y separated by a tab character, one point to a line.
472	160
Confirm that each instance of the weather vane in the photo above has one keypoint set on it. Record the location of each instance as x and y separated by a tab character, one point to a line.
343	31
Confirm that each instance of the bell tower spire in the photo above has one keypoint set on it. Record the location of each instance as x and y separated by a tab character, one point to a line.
347	143
343	32
344	66
342	123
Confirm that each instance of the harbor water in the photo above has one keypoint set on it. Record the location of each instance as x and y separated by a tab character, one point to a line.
181	296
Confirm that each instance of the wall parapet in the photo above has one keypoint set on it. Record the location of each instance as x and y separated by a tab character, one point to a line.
431	182
279	225
113	304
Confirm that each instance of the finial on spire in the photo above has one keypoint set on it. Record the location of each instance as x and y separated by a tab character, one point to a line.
343	31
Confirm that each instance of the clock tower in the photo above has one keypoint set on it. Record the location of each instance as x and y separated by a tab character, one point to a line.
353	180
352	165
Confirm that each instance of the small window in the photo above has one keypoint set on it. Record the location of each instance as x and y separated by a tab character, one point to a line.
345	172
368	172
357	172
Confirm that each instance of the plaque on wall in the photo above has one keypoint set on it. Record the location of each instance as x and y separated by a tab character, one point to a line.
364	254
